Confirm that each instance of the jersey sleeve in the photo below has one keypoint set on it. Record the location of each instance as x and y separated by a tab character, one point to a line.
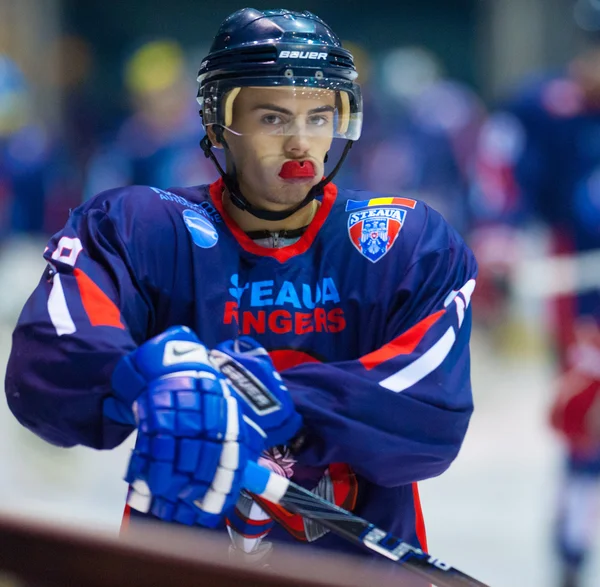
399	414
88	310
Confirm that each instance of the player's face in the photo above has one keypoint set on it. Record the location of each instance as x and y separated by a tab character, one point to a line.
278	141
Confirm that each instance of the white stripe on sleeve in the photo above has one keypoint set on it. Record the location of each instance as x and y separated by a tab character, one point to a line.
423	366
58	309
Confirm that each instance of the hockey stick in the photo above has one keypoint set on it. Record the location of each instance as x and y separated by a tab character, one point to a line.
278	489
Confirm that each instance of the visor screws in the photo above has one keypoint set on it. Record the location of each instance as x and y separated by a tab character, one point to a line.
289	73
319	75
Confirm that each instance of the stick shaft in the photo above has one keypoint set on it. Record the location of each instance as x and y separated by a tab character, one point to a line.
353	528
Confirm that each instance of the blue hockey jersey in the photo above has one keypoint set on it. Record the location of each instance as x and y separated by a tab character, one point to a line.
367	316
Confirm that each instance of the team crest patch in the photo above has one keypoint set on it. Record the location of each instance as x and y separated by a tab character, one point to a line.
374	231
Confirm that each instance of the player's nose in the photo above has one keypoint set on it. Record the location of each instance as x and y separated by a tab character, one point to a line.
297	144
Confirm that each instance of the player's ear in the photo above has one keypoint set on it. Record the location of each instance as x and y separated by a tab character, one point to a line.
212	135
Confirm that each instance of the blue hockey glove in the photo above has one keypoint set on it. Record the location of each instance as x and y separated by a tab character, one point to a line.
194	440
259	388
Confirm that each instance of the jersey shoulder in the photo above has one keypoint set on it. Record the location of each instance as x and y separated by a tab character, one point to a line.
403	216
148	222
397	231
148	203
146	216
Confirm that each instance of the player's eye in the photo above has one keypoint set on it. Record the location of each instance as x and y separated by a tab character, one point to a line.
272	119
318	120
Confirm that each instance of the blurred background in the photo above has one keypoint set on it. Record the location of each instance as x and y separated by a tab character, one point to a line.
487	109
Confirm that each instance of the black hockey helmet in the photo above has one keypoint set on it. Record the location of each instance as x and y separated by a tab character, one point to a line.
276	48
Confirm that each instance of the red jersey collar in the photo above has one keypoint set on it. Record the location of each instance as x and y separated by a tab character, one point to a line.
284	253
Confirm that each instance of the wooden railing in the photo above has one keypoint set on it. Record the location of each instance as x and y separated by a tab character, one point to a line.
43	554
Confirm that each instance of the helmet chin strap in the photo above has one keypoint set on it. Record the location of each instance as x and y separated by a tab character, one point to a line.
240	201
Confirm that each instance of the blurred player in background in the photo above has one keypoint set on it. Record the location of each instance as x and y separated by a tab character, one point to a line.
360	299
27	154
158	143
39	183
539	165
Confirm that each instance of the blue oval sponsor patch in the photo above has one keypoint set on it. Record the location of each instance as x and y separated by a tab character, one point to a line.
203	232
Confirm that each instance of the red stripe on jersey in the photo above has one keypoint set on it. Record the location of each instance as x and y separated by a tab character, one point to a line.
250	521
345	485
284	253
419	520
125	519
251	536
99	308
408	202
287	358
404	344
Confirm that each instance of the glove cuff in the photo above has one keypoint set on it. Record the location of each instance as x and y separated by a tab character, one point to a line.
127	382
127	385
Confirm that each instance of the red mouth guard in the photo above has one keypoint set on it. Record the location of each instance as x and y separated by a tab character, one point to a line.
297	169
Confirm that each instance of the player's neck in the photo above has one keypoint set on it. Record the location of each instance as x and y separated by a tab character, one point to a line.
248	223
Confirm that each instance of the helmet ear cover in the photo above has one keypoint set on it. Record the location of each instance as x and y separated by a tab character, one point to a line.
228	105
343	108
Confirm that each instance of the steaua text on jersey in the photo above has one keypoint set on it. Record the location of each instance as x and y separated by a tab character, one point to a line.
367	316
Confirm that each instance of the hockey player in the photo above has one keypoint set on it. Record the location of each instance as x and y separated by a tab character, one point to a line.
539	165
157	142
361	300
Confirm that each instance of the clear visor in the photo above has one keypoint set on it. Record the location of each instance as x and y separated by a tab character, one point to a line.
325	111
